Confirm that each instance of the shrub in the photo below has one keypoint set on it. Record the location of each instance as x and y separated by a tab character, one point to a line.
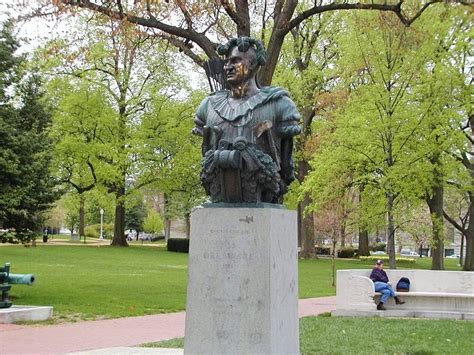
108	230
346	252
156	238
378	247
91	231
323	250
153	222
179	245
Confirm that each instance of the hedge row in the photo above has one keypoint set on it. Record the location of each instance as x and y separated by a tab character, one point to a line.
179	245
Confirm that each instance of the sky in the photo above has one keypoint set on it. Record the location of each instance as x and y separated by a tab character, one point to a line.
34	31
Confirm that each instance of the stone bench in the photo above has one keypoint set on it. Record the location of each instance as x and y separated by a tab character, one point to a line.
433	294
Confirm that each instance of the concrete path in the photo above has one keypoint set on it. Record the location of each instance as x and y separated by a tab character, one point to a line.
120	332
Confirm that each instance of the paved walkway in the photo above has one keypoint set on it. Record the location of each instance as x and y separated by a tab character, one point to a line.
120	332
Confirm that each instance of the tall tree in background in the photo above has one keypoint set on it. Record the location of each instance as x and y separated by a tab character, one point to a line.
82	121
114	57
451	94
26	187
172	156
193	28
378	127
303	70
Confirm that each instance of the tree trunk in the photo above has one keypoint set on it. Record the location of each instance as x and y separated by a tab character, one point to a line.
363	232
167	227
342	234
435	204
119	226
461	251
81	217
469	261
334	242
187	216
307	231
306	222
363	242
390	232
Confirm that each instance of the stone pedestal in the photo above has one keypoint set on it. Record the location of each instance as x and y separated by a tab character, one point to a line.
18	313
243	282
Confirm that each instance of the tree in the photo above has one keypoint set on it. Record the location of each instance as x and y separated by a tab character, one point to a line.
172	156
135	215
26	188
124	78
153	222
301	60
199	22
81	123
195	26
375	133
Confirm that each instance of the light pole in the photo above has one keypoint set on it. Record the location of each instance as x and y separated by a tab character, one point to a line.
101	224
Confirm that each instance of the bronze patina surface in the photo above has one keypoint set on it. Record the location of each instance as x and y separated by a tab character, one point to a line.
247	132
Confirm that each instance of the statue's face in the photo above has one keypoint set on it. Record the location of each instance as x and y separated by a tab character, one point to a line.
240	66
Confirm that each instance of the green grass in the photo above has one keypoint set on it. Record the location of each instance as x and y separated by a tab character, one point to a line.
83	282
320	335
330	335
92	282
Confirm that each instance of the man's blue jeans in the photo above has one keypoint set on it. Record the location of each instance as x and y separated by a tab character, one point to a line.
385	290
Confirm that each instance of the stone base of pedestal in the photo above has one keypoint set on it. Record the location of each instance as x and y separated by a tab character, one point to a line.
25	313
243	284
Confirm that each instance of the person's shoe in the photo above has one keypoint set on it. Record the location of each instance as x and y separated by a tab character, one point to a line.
398	300
381	307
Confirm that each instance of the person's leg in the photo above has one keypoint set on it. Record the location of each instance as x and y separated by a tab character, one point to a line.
384	289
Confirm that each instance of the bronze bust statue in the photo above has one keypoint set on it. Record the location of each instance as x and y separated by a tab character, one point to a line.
247	131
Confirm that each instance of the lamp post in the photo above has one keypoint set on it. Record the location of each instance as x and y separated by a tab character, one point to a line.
101	224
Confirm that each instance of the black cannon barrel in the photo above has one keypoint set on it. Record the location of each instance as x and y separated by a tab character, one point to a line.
21	279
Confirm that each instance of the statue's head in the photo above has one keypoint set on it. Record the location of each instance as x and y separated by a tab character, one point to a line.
243	58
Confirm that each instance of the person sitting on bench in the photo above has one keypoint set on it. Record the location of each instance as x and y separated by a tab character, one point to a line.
382	285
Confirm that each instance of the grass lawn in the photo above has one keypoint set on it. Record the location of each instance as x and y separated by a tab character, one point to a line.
90	282
331	335
99	282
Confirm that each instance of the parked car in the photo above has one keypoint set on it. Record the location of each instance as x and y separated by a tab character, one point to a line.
379	252
454	256
412	254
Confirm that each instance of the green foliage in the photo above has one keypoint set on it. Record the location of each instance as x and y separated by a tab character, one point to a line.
153	223
378	247
388	114
26	187
91	231
179	245
136	214
172	156
346	252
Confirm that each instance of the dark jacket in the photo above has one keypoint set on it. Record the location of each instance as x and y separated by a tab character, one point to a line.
378	275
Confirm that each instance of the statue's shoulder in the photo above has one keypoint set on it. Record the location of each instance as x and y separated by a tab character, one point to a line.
273	92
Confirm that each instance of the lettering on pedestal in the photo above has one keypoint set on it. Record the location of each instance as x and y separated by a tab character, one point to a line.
224	255
228	232
247	219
